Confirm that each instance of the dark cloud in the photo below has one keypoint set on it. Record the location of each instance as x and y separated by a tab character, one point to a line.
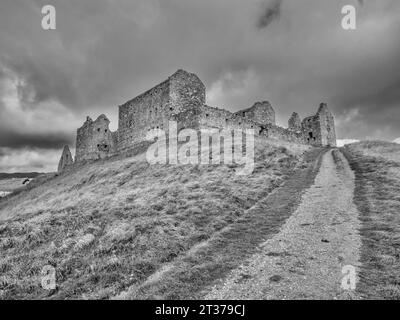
43	80
271	12
28	160
18	140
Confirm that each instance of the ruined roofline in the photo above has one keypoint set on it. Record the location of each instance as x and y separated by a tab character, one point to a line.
309	118
236	113
142	95
255	104
89	121
167	81
323	107
217	108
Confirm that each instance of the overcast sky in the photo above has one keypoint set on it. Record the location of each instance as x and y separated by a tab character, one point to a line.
293	53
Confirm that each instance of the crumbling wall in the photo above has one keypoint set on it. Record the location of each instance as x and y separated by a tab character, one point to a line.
218	118
312	131
66	160
295	122
280	133
327	126
260	112
319	130
94	140
211	117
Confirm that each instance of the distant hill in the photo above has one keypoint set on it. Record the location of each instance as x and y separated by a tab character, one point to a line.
30	175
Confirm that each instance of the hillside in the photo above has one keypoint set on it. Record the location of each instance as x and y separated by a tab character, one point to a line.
18	183
108	226
377	196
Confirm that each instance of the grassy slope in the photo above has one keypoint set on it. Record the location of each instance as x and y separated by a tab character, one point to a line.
191	275
109	226
9	185
377	168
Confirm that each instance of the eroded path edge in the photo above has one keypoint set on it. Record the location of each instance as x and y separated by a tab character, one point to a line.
305	259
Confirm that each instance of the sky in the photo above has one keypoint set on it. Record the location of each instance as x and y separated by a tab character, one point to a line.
293	53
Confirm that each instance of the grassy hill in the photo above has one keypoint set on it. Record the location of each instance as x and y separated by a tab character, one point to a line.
111	226
16	183
377	195
10	185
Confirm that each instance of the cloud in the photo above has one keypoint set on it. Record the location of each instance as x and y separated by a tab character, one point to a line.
24	122
17	140
397	140
343	142
28	160
271	12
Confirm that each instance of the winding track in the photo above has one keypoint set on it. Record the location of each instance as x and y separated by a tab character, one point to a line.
305	259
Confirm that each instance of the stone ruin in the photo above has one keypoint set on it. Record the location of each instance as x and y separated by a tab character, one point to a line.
94	140
182	98
319	130
66	160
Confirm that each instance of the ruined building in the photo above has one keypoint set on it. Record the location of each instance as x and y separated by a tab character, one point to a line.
295	122
182	98
319	130
94	140
66	160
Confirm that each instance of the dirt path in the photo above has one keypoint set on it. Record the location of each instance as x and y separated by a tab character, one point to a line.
305	259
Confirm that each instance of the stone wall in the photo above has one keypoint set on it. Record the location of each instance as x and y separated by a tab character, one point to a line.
319	130
261	112
312	130
66	160
295	122
327	126
218	118
210	117
94	140
285	134
178	98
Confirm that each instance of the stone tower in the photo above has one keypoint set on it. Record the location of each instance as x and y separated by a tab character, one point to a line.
327	124
94	140
179	98
319	130
295	122
66	160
